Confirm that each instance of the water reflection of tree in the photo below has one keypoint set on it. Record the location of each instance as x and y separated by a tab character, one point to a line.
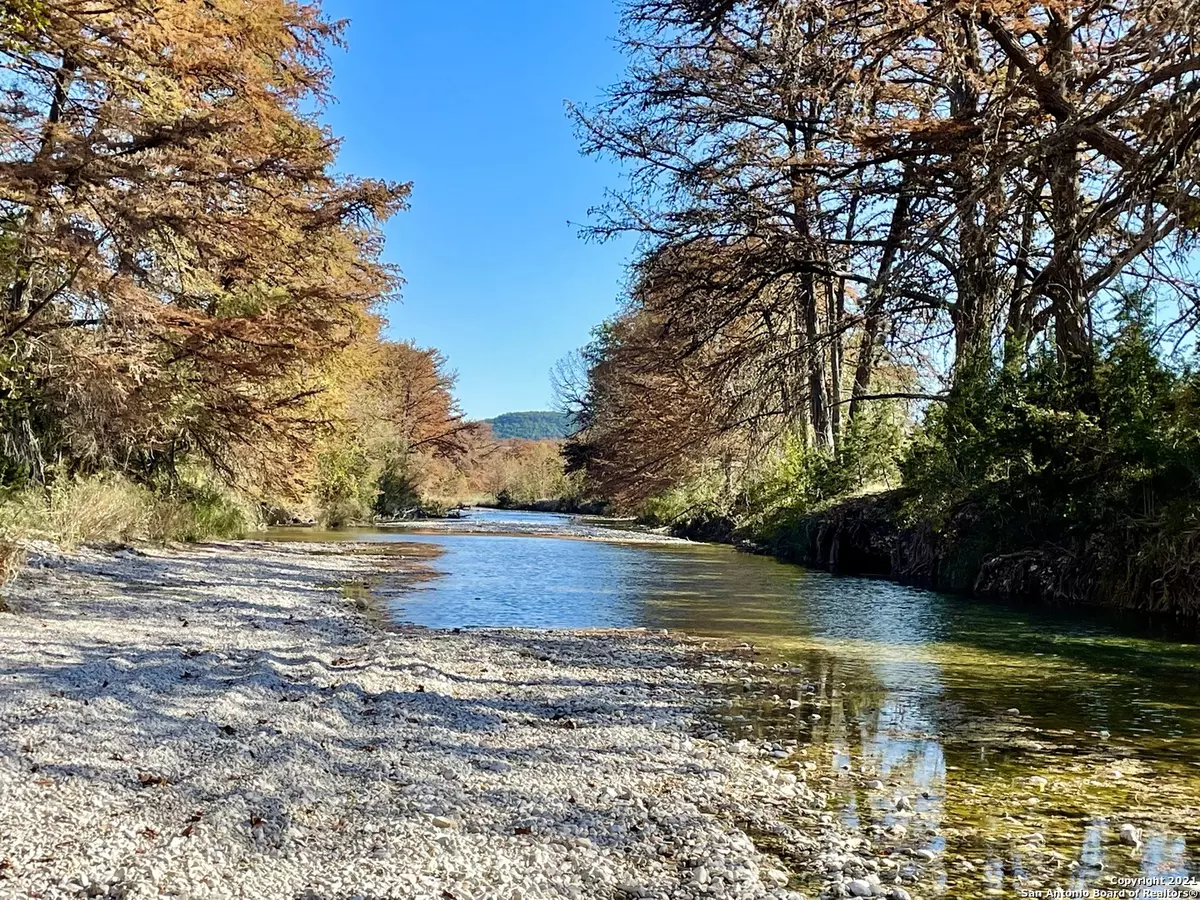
914	689
949	747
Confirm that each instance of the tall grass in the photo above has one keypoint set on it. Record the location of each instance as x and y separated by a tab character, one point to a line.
12	558
74	512
109	508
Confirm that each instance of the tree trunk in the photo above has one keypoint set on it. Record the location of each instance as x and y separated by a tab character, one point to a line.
1018	330
1065	287
805	294
837	320
877	295
20	290
836	305
975	275
818	406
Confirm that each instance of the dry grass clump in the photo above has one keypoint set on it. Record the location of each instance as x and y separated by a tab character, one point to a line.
74	512
12	558
109	508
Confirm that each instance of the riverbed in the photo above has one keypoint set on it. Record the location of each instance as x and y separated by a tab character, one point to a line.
1008	749
237	721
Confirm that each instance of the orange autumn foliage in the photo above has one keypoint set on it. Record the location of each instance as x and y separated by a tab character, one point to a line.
178	261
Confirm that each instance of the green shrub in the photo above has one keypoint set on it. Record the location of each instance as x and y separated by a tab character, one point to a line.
1067	449
199	507
345	489
799	479
1102	465
703	496
396	492
796	478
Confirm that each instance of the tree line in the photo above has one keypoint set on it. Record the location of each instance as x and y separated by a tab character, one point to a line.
944	243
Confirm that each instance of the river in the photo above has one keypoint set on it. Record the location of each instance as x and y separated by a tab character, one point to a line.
1023	739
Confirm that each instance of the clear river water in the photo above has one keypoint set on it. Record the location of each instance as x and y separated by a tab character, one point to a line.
1025	738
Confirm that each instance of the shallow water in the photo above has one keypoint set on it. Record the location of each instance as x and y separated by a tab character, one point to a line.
1023	738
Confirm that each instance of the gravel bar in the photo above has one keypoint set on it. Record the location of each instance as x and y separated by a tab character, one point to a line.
227	721
575	528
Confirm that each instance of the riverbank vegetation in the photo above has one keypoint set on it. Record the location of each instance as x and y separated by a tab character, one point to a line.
945	252
191	297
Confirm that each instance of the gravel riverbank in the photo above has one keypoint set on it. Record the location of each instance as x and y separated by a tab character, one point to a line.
226	721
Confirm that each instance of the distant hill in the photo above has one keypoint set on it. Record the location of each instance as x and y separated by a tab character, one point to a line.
531	426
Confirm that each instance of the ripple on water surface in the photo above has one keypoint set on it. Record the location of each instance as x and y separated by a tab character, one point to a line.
1021	739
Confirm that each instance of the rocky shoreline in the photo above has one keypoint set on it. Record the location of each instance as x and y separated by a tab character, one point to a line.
228	721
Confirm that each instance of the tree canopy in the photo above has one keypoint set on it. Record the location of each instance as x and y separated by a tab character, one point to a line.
843	202
179	262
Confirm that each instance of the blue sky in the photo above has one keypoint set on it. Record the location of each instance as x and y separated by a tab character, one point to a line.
466	100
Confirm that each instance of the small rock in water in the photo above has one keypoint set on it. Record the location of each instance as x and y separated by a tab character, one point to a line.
898	893
1038	782
860	887
903	804
1013	711
777	877
1131	835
